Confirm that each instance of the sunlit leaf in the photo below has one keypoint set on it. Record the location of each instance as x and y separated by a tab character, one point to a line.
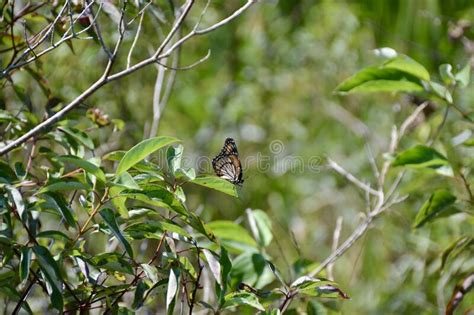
60	186
174	155
217	183
318	288
17	199
141	151
440	201
422	156
172	290
232	234
446	73
235	299
159	197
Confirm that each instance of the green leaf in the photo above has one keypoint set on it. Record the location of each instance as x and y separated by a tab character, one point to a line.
17	199
79	136
52	234
232	234
58	203
52	274
141	151
226	267
174	156
109	218
64	186
25	262
117	201
261	226
456	248
159	197
125	180
85	165
408	65
217	183
318	288
172	290
213	264
440	201
441	91
463	77
422	156
138	299
446	73
399	74
235	299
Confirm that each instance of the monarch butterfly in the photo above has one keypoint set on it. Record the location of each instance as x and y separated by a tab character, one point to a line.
227	164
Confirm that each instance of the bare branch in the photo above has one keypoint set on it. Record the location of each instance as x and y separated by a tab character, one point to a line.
335	243
351	178
107	78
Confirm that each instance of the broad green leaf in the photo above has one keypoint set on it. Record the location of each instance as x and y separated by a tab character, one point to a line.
457	247
440	201
378	79
79	136
226	267
51	272
141	151
57	202
155	229
138	299
198	225
17	199
172	290
118	201
109	218
85	165
236	299
217	183
232	234
64	186
25	261
174	156
159	197
318	288
125	180
446	73
151	272
214	266
188	173
408	65
261	226
463	77
422	156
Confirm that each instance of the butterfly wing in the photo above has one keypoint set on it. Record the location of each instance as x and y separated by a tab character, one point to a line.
227	164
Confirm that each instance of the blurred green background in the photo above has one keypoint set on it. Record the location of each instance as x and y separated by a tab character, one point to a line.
269	84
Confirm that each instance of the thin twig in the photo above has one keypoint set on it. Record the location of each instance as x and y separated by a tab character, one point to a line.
335	243
351	178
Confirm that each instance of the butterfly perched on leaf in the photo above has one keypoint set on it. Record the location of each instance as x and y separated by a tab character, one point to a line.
227	164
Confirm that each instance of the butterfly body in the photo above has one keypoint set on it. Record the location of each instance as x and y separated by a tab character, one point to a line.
227	164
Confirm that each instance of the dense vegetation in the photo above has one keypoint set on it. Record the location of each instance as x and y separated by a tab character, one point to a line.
354	123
